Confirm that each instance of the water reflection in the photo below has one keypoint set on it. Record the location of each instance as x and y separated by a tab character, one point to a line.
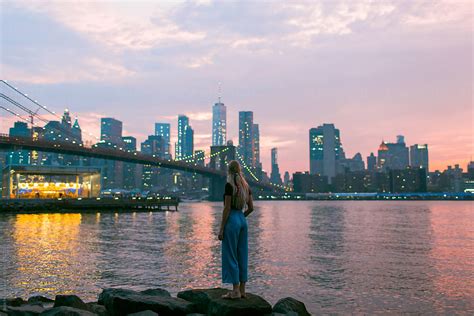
337	257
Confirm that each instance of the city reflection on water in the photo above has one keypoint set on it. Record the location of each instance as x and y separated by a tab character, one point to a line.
364	257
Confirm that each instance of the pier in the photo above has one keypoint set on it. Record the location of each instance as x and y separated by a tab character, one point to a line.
90	204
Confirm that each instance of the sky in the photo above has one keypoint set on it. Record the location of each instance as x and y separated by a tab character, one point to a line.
376	69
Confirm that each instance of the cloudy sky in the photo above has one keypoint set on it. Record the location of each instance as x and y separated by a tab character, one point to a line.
375	69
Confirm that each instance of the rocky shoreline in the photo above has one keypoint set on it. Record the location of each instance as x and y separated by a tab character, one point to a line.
151	302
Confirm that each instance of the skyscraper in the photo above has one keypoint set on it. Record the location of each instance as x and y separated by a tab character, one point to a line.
419	156
131	171
371	162
393	156
184	148
324	150
246	137
219	124
111	130
256	146
163	130
19	157
275	176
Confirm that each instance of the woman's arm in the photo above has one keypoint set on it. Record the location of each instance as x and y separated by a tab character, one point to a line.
249	206
225	215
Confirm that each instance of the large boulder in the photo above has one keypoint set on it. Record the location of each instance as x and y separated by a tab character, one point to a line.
39	299
25	310
289	304
17	301
156	292
252	305
96	309
73	301
119	302
202	297
66	311
108	293
144	313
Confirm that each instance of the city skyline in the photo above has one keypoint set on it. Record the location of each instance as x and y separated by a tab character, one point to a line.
380	71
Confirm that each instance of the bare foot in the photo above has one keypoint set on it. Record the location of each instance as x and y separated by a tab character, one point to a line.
232	295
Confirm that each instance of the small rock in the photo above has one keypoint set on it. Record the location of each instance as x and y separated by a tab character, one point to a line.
252	305
156	292
70	301
202	297
289	304
17	301
39	299
66	311
144	313
25	310
96	309
120	302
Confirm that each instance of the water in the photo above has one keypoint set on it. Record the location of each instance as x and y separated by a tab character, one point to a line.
337	257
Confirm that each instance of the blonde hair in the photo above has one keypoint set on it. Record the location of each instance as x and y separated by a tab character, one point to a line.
240	187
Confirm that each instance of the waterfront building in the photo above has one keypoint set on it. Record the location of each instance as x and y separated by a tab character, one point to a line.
470	170
184	148
153	145
131	171
371	162
50	182
408	180
325	149
163	130
246	138
219	124
419	156
19	157
304	182
275	176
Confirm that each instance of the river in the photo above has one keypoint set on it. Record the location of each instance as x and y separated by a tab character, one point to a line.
335	256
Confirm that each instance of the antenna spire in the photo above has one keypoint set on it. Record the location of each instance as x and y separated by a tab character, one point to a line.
219	91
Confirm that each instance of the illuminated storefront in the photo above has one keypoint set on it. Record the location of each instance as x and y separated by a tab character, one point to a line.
46	182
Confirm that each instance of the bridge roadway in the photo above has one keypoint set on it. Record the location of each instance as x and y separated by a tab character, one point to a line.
24	143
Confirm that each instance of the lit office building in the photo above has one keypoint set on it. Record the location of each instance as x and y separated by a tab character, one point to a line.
419	156
275	176
184	148
219	128
325	150
246	137
163	130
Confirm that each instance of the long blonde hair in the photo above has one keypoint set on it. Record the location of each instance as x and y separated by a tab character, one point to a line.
241	188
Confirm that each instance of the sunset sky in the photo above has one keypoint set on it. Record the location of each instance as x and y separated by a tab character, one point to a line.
376	69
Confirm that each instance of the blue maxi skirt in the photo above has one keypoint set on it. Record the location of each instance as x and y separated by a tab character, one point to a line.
235	248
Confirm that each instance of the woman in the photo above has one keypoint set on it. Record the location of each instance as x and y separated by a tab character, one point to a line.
233	231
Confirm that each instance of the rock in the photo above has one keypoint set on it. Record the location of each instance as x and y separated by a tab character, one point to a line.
202	297
39	299
17	301
144	313
286	314
289	304
96	309
252	305
156	292
70	301
66	311
122	302
195	314
107	294
25	310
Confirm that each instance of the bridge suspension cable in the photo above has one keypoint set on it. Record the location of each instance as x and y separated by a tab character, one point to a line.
34	114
